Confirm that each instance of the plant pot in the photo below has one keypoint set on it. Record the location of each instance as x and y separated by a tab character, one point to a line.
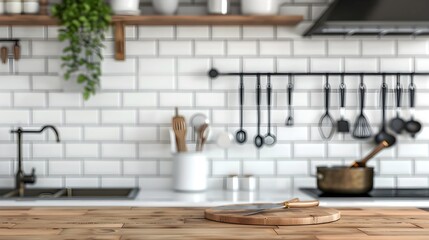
259	7
121	7
165	7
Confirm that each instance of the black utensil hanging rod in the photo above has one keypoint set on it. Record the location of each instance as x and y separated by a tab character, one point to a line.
9	40
214	73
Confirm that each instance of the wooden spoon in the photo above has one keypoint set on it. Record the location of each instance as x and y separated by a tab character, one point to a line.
4	54
362	163
179	127
202	138
17	51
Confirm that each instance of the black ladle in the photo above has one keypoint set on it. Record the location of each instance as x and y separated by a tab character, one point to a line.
241	135
398	124
383	135
259	139
413	126
270	139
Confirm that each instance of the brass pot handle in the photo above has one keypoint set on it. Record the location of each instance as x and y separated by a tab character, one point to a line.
374	152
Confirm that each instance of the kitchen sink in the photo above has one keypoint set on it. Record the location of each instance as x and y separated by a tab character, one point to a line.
70	194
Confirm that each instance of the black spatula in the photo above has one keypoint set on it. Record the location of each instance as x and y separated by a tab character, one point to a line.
343	126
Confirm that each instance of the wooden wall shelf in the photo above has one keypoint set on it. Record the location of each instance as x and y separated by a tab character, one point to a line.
121	21
209	20
32	20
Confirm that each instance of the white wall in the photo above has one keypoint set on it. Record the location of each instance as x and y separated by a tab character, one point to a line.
120	138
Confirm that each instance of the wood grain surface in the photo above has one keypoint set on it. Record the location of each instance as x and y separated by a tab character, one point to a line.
117	223
282	217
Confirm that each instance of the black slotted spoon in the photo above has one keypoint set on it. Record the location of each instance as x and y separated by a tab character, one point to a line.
362	127
326	123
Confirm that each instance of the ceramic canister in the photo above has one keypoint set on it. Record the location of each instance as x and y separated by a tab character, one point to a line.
31	6
124	5
232	183
13	6
220	7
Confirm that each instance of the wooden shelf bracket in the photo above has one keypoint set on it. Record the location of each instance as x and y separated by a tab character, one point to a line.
119	28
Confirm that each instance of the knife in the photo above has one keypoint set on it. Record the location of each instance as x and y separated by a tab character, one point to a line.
258	208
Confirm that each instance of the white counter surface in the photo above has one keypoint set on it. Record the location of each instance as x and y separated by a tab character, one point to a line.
216	198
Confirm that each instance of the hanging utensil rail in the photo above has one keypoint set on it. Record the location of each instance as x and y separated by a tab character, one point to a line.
214	73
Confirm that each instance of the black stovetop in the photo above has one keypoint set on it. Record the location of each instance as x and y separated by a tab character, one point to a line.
376	193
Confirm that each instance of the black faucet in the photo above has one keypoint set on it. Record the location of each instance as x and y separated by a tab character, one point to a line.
21	179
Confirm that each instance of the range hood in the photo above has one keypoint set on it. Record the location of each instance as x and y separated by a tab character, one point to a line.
373	17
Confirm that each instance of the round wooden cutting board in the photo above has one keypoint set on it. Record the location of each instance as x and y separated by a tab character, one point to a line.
282	217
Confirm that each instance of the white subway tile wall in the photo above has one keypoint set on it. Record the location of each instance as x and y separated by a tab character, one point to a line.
120	136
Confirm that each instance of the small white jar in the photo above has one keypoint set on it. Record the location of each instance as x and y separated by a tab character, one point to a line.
259	7
232	183
31	6
13	6
218	7
248	183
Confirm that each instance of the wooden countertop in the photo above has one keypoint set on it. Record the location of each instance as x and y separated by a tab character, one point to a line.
119	223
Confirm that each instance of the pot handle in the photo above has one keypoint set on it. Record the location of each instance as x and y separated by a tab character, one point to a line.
303	204
374	152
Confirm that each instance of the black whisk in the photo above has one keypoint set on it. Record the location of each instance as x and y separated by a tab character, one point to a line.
362	128
326	123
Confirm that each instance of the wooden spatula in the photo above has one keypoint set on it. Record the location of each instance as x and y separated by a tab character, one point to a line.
4	54
179	127
17	51
362	163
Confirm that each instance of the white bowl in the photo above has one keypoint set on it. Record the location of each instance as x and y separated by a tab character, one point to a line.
259	7
119	6
165	7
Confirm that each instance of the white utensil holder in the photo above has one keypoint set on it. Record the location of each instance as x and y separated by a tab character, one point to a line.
190	172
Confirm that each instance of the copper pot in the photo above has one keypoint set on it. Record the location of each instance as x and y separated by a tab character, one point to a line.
354	180
345	180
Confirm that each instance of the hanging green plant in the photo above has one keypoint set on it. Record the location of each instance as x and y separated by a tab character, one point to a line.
84	23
